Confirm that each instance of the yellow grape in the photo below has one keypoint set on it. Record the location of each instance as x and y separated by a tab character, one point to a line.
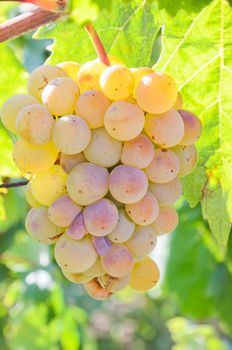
94	271
118	262
103	149
95	290
34	159
192	128
117	82
60	96
187	156
46	187
166	221
124	120
167	193
29	196
143	241
71	68
88	76
113	284
139	73
63	211
69	161
91	106
123	230
156	93
166	129
41	76
179	102
145	275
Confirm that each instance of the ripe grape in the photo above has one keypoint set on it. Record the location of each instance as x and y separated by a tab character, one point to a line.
34	124
103	149
167	193
192	127
143	241
139	73
71	134
102	245
12	107
113	284
166	221
91	106
101	217
127	184
138	152
71	68
88	77
156	93
124	120
145	275
34	159
29	196
117	82
123	230
60	96
63	211
94	290
187	156
145	211
41	76
77	229
166	129
69	161
87	183
164	166
179	102
46	187
118	262
75	255
94	271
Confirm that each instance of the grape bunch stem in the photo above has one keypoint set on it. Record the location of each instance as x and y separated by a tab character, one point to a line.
97	44
14	184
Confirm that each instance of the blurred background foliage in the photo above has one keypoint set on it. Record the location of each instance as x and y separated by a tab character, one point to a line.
191	309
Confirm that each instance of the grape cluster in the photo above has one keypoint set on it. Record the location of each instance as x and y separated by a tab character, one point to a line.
103	147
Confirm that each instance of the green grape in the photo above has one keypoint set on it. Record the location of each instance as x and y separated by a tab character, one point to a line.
179	102
164	166
103	149
145	275
167	193
88	77
12	107
71	68
95	290
63	211
124	121
34	159
166	221
123	230
71	134
156	93
41	76
142	242
40	227
145	211
60	96
138	152
128	184
46	187
34	124
113	284
91	106
117	82
29	196
192	128
101	217
187	156
75	255
118	262
139	73
87	183
166	129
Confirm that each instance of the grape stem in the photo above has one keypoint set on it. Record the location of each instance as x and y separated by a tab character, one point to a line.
97	43
14	184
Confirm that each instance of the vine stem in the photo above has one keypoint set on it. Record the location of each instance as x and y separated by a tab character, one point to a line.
14	184
97	44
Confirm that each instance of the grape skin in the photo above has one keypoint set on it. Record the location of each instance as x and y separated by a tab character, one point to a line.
88	77
63	211
145	275
113	284
29	196
143	241
118	262
166	221
94	290
94	271
139	73
77	229
179	102
187	156
71	68
69	161
167	193
123	230
192	128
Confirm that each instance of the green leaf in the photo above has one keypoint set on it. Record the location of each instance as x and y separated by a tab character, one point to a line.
87	10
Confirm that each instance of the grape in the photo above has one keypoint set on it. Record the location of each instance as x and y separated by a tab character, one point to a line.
166	129
118	262
138	152
91	106
124	229
156	93
139	73
63	211
60	96
145	275
113	60
71	68
166	221
124	120
29	196
75	255
187	156
127	184
77	229
40	227
143	241
103	149
94	271
73	277
113	284
192	127
34	159
145	211
88	76
102	245
69	161
100	218
12	107
34	124
71	134
94	289
117	82
87	183
168	193
179	102
46	187
164	166
41	76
